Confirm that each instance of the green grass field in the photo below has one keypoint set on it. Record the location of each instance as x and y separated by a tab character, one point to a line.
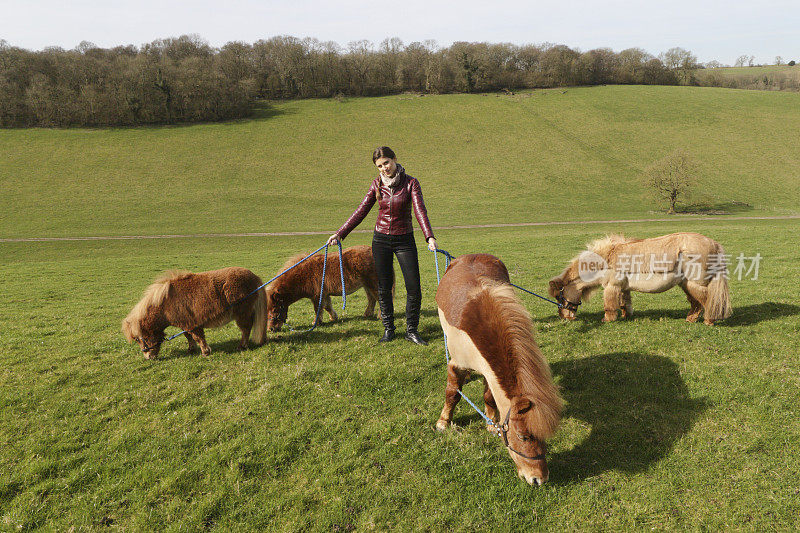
304	165
668	425
768	77
760	70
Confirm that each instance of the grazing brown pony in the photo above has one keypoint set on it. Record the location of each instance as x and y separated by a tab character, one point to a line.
489	331
193	302
304	280
694	262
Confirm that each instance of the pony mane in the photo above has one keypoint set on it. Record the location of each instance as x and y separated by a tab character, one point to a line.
292	260
154	295
605	245
514	328
289	263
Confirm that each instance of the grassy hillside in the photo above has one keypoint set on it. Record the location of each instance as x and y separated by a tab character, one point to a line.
304	165
668	425
769	78
760	70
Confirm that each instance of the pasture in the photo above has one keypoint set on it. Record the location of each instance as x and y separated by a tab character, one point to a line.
751	71
667	424
768	77
573	154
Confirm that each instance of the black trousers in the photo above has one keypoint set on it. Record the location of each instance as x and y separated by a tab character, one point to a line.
405	248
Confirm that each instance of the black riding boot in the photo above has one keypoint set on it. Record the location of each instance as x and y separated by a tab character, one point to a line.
412	321
387	316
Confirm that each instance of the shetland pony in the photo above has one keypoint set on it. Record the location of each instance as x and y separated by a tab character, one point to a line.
304	281
694	262
193	302
489	331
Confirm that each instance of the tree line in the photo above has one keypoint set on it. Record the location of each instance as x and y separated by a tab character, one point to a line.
184	79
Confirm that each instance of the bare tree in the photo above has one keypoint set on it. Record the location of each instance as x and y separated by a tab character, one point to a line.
683	62
740	61
672	177
778	60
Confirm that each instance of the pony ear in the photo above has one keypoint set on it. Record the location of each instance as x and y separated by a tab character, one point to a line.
556	284
521	405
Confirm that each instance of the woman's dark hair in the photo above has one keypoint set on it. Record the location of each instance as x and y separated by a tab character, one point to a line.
383	151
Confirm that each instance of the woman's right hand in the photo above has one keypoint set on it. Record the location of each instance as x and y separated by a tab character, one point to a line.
333	239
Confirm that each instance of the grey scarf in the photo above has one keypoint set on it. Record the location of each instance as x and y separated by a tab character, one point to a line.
392	181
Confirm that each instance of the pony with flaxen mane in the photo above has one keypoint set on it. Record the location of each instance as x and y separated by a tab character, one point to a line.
304	281
489	331
193	302
694	262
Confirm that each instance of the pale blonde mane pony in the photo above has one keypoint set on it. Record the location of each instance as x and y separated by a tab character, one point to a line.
604	247
154	295
532	371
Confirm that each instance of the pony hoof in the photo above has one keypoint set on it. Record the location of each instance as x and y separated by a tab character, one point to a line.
441	425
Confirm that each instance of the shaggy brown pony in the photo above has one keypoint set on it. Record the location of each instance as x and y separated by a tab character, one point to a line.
304	280
694	262
489	331
193	302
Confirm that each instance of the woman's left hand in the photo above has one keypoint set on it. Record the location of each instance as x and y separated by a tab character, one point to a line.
432	244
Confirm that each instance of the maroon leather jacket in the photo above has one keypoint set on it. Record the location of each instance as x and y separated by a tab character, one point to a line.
394	209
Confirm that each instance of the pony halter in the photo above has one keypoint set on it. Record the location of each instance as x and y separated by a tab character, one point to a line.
146	348
502	431
566	304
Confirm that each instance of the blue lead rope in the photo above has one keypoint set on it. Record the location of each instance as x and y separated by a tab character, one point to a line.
448	257
538	296
321	289
322	285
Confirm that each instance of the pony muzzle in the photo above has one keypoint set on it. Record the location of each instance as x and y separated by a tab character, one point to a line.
533	479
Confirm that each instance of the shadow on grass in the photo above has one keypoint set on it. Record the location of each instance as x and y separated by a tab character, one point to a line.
637	405
591	321
263	111
719	208
742	316
358	325
753	314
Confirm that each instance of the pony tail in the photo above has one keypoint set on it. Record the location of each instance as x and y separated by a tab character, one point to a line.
718	305
259	334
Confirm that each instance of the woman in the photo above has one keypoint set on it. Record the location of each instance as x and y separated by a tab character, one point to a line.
396	193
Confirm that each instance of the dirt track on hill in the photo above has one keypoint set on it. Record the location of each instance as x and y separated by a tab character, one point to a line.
474	226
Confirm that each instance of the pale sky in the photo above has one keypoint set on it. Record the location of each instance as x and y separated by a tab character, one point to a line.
711	29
